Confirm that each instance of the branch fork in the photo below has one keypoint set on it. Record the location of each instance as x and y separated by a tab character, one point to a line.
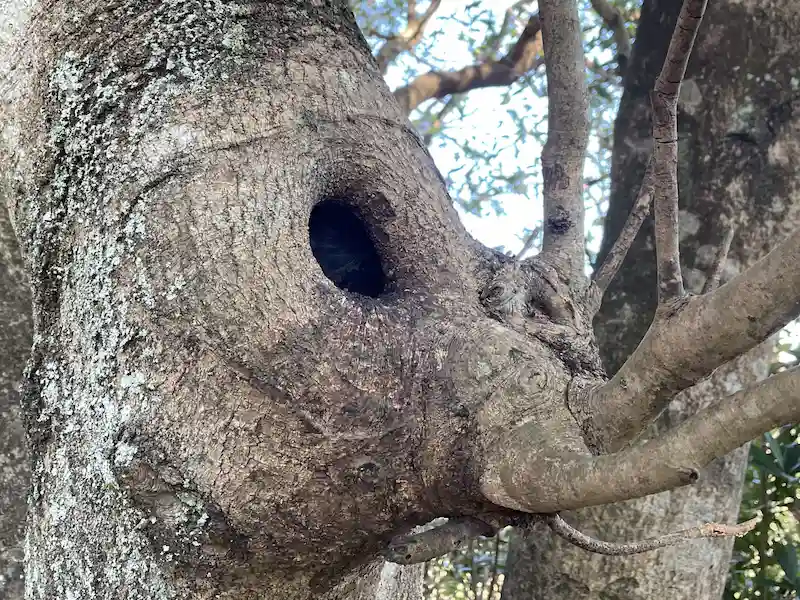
689	337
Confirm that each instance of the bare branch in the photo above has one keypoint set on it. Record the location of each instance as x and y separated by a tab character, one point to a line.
563	529
442	539
567	136
529	241
605	274
640	398
438	122
665	149
607	76
613	20
715	273
685	343
406	39
423	546
520	477
508	21
522	58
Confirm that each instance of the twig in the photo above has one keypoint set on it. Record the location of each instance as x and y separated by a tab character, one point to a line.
522	58
604	275
508	20
449	104
529	242
613	20
665	150
717	267
457	532
563	529
406	39
606	76
567	136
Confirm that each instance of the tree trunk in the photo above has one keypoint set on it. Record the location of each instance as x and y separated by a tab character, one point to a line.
263	344
15	345
740	141
200	393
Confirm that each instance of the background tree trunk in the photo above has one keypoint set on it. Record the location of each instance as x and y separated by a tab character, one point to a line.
739	128
15	346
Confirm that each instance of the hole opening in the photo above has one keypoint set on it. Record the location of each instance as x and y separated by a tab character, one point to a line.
344	249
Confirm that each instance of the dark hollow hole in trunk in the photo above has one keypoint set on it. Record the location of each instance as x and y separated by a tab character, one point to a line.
343	248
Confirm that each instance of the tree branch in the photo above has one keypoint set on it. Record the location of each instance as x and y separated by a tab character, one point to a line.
440	540
614	21
665	150
406	39
520	477
522	58
685	343
432	543
605	274
567	136
577	538
715	274
508	20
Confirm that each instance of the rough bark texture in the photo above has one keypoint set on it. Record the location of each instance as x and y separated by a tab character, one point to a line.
210	414
739	138
264	345
15	345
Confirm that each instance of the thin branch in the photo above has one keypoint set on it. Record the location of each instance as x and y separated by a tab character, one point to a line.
710	530
606	76
686	343
438	541
508	21
567	136
432	543
448	106
614	20
604	275
529	242
522	58
665	150
718	266
520	477
406	39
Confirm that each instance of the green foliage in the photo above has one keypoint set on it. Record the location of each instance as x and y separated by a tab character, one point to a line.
765	561
473	573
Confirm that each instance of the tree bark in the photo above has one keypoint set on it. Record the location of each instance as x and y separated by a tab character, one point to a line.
739	139
15	344
159	162
263	344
